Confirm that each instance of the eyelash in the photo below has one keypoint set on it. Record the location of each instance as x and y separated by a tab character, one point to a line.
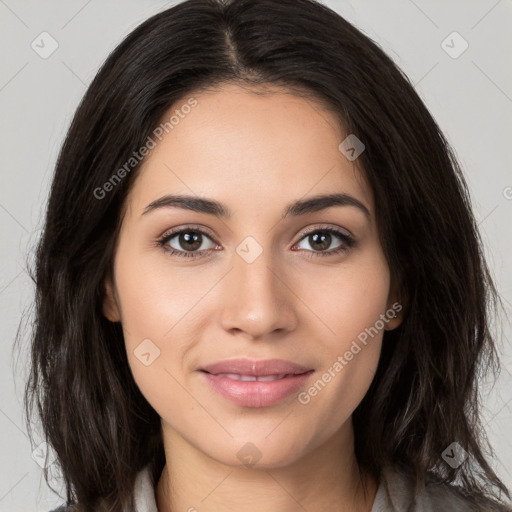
347	243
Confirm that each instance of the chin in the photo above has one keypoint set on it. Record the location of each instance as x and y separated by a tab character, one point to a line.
261	453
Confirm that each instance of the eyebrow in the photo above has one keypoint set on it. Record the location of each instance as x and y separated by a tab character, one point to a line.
212	207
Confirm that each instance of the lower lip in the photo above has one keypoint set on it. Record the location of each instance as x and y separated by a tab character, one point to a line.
257	393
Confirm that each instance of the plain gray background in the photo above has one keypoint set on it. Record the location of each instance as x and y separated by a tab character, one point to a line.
469	93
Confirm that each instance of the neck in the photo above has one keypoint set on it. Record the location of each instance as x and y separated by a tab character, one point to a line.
327	478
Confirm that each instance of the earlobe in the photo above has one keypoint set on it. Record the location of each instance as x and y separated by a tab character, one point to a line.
395	311
394	321
110	306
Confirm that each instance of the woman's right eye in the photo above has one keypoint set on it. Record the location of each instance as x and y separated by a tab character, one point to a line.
188	243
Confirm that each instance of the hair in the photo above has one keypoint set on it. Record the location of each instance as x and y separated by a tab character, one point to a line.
425	393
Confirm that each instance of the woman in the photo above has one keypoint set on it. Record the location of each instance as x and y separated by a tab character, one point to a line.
260	282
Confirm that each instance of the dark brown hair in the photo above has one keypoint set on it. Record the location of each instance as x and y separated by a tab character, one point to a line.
425	393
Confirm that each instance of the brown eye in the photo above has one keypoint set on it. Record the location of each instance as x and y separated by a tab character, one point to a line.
187	242
321	239
190	240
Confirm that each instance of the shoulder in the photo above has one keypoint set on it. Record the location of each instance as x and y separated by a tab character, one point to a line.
64	508
398	494
441	495
144	494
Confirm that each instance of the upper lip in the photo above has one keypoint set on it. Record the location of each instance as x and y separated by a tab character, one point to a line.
256	368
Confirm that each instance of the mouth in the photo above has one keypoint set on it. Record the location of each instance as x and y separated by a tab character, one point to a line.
252	383
256	368
252	378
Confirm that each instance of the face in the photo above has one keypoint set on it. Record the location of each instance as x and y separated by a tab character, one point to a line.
245	281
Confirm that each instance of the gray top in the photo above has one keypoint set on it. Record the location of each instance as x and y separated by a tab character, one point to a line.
394	494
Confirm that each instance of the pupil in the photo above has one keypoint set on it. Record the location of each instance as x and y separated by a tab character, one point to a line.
189	241
325	240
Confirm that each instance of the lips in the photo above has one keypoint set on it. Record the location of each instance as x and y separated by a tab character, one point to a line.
262	368
256	383
251	378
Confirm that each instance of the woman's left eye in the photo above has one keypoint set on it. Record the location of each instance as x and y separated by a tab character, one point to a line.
192	242
322	238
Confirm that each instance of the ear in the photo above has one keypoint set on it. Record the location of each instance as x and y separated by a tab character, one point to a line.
395	315
395	309
111	308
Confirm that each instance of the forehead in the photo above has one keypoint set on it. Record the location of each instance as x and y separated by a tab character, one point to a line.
250	148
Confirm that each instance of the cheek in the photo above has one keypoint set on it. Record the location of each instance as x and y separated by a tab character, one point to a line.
151	306
155	297
348	300
350	306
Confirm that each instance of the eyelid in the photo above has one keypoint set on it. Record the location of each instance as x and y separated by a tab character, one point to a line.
319	227
191	227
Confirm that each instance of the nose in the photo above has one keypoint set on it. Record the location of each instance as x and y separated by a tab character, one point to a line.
257	299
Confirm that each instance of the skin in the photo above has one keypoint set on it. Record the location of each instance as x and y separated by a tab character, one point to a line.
255	154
